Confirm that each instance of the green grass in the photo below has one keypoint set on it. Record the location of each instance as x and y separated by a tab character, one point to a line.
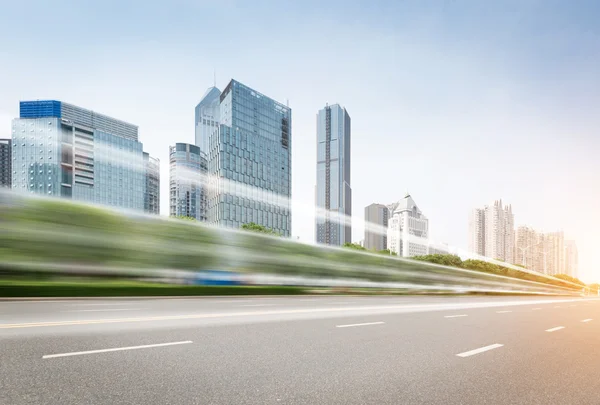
63	288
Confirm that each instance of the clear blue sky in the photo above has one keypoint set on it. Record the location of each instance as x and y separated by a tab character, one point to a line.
459	102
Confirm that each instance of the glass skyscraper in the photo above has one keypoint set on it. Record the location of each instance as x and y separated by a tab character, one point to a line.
206	117
152	186
249	161
334	195
187	175
63	150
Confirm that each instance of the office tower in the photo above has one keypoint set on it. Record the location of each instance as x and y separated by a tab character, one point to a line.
152	186
249	161
63	150
187	172
5	163
207	117
376	224
408	229
491	232
571	259
333	191
477	231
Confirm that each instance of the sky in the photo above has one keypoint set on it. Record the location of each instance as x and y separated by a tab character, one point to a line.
457	102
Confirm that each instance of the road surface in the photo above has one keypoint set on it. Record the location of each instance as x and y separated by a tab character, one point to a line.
301	350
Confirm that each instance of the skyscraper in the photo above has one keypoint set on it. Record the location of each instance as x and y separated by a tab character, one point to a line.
5	162
491	232
187	172
63	150
571	258
477	231
408	229
333	191
207	117
249	161
376	223
152	186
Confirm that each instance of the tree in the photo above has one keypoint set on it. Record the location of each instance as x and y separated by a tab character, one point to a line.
355	246
446	260
184	217
254	227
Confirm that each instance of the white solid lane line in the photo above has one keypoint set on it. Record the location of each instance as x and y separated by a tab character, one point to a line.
586	320
359	324
536	309
105	310
103	304
455	316
503	312
116	349
480	350
555	329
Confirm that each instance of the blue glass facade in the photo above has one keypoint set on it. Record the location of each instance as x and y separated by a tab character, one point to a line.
67	151
187	174
250	161
334	194
39	109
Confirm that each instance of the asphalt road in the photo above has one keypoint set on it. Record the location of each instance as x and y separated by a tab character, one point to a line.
301	350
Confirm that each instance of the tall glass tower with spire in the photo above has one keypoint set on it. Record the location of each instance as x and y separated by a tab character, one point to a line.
207	117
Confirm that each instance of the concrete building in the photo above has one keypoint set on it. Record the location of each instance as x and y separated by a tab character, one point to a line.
249	161
152	186
333	192
571	259
187	171
5	162
408	229
376	224
526	247
477	231
63	150
491	232
543	252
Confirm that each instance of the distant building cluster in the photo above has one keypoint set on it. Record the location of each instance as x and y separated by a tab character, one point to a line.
492	235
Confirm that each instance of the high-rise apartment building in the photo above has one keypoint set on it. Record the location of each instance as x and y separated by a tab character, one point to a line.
491	232
408	229
376	224
187	173
63	150
543	252
249	161
333	191
571	259
477	231
207	117
527	242
5	162
152	186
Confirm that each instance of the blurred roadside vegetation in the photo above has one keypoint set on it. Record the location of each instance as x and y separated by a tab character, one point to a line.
48	236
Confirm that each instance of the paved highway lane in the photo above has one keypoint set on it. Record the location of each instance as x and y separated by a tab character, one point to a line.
301	350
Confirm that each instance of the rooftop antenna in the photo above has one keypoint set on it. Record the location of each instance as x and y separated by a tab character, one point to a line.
287	102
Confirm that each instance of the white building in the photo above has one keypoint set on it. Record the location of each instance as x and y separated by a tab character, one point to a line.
408	229
492	232
571	257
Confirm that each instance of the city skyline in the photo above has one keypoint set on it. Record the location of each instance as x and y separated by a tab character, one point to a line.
467	112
